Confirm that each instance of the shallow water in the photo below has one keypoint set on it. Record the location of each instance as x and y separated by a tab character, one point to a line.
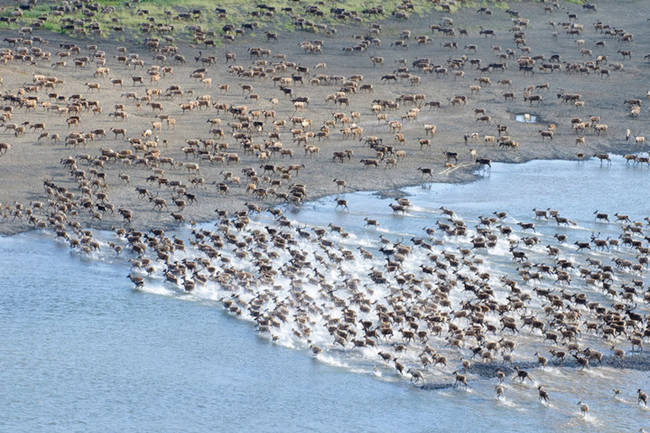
526	118
82	351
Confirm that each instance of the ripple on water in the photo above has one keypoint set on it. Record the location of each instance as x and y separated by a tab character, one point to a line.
506	187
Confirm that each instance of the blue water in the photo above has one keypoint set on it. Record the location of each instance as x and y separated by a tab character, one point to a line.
576	188
80	350
83	352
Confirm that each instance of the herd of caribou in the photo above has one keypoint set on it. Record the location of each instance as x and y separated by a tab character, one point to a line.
258	122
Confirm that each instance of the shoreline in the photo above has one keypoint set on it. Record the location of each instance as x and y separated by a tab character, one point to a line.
468	175
499	349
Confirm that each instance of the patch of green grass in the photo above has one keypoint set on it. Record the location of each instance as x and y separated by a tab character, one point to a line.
52	27
238	12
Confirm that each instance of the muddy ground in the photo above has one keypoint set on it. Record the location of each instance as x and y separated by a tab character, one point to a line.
30	161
